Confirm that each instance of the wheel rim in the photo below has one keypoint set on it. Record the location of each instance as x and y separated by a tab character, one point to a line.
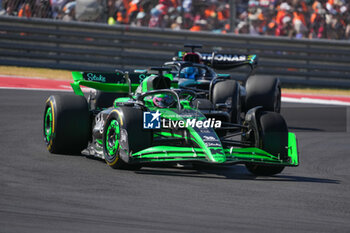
48	124
112	138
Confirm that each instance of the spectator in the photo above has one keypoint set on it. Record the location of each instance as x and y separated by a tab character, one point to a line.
43	9
318	24
111	6
328	19
69	11
25	10
57	7
11	7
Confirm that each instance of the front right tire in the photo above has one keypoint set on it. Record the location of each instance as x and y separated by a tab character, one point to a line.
273	139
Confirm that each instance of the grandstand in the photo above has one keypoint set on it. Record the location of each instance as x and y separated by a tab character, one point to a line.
327	19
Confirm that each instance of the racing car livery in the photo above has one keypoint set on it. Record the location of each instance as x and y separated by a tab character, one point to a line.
151	122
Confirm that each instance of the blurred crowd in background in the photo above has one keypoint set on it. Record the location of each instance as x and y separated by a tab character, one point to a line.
329	19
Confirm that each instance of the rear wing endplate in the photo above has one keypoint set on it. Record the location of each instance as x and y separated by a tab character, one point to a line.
109	82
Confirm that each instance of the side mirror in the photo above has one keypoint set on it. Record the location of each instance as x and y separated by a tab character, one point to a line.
221	107
128	81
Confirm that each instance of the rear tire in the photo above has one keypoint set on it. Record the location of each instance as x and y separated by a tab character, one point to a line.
66	124
104	99
263	91
202	104
228	92
124	134
273	139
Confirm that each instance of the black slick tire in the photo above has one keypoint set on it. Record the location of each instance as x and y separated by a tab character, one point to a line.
70	124
228	92
104	99
263	91
132	137
273	139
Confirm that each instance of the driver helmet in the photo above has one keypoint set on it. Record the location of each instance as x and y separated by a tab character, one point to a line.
163	100
190	72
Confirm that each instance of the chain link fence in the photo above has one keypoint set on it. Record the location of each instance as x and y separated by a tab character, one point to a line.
22	8
297	18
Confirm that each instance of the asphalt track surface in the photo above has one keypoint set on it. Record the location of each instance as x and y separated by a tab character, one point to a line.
42	192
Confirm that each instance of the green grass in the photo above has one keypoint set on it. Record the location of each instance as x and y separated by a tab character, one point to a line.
36	72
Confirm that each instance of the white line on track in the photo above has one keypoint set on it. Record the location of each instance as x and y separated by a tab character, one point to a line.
314	101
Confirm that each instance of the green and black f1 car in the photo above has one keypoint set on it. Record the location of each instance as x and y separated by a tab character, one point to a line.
152	122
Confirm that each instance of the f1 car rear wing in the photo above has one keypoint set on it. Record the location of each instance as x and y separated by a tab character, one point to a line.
223	61
110	82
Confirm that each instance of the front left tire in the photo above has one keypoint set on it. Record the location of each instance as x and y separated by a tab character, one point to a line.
123	135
